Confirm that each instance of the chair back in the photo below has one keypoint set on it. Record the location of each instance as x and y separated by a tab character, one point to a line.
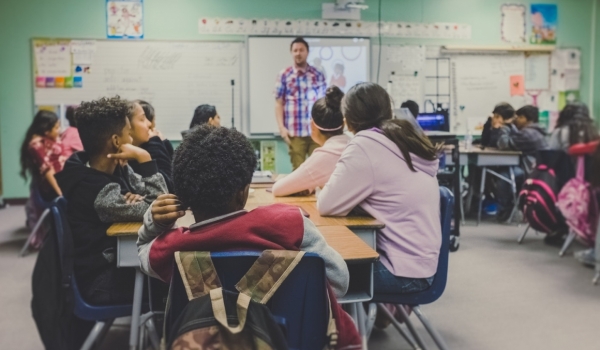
438	286
300	304
81	309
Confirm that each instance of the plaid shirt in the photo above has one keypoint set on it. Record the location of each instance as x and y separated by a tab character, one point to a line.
299	91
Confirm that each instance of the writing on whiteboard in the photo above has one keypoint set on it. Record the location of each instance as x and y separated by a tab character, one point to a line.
158	59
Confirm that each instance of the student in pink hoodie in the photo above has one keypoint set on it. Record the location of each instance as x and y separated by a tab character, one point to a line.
328	131
389	170
70	137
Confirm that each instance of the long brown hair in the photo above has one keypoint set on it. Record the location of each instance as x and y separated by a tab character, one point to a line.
368	105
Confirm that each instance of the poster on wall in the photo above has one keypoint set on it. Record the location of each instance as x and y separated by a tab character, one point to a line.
125	19
513	25
544	22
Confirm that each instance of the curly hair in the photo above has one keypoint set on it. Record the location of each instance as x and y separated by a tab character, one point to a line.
211	166
98	120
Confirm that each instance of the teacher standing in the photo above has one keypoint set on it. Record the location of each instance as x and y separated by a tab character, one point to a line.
297	88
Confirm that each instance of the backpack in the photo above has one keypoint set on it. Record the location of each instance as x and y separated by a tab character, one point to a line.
574	201
215	318
537	200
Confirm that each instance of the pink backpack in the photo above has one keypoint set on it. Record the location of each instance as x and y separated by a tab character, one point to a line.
574	203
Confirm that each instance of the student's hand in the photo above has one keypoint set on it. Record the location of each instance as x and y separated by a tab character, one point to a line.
285	135
131	198
131	152
156	132
497	122
166	209
302	193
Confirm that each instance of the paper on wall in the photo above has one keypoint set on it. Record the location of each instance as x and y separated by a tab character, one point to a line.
410	58
513	25
53	60
517	85
83	51
572	79
537	72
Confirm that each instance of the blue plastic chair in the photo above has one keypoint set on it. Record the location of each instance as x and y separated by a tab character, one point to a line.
103	315
432	293
38	202
300	304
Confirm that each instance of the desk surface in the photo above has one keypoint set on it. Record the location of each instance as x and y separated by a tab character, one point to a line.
489	151
261	196
131	228
314	216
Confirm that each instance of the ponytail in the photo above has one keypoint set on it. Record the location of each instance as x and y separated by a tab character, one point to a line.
409	140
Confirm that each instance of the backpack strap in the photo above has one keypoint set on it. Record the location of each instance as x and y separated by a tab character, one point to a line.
218	306
267	273
198	273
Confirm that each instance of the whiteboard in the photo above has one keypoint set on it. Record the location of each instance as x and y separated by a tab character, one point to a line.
268	56
479	82
175	77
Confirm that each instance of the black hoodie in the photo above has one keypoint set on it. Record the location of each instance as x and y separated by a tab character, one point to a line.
95	201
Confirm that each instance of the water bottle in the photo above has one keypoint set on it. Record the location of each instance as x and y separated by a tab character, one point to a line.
468	140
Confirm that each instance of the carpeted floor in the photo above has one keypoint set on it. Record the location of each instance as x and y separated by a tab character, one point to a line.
500	295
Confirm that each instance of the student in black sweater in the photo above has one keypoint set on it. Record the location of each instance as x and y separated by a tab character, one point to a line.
148	138
101	189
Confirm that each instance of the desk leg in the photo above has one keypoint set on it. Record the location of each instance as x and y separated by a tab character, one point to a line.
460	198
513	187
481	191
137	309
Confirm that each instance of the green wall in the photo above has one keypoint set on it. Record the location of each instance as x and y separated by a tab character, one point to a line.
178	20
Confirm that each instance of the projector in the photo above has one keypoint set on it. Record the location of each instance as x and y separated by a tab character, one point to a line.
344	9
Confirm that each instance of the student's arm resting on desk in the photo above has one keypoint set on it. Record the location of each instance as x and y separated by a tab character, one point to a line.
146	235
299	180
112	206
149	182
335	266
350	183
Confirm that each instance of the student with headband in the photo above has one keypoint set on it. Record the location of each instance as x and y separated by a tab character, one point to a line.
328	131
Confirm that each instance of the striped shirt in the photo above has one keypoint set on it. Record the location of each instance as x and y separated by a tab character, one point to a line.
299	89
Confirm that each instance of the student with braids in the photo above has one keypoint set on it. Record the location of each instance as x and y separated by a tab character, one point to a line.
389	170
327	130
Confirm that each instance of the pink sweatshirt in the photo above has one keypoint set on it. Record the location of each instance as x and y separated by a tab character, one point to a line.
71	141
373	174
315	171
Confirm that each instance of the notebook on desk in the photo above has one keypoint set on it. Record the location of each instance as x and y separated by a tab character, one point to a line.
262	177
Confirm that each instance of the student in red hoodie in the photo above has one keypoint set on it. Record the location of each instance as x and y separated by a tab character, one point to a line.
212	171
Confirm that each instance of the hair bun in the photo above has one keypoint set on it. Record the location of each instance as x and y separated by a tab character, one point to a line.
333	97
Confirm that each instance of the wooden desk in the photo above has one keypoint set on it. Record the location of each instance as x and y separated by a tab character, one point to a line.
314	216
261	196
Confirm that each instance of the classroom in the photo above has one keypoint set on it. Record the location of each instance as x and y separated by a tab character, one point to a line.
322	174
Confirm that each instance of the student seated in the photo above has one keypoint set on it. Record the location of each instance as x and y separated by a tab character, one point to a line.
389	170
413	108
328	131
212	171
524	134
204	114
41	158
146	136
70	137
574	125
502	111
100	191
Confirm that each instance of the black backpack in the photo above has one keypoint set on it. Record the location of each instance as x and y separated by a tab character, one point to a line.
537	200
